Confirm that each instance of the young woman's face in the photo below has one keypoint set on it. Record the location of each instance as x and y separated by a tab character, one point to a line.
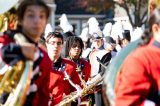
34	22
75	50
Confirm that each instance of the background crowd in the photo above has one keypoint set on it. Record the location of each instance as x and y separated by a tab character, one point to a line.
119	62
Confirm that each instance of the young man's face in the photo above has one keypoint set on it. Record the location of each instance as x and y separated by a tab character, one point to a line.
34	22
97	43
54	47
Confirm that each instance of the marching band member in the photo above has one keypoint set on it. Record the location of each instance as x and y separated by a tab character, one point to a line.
99	58
32	19
67	30
74	48
54	43
140	85
126	38
86	42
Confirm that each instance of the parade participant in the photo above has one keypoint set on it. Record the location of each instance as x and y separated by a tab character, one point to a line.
67	30
74	48
86	42
126	38
109	47
95	57
54	43
32	19
139	85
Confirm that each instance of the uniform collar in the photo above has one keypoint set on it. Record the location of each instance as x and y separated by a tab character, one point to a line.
156	43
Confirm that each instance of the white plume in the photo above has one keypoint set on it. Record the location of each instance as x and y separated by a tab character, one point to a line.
117	30
137	33
107	29
127	26
47	30
84	34
94	26
64	24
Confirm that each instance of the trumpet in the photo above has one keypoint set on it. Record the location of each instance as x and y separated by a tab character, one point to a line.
14	83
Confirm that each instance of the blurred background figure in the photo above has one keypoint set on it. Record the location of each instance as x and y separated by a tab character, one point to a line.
126	38
86	42
67	30
109	46
145	70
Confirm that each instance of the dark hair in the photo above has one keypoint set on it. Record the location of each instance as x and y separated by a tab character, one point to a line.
126	35
68	34
70	42
154	18
54	34
25	3
109	39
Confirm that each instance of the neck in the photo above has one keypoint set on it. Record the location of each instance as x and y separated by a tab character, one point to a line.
32	38
54	59
74	58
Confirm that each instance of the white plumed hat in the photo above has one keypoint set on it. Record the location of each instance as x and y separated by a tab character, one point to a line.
64	24
94	29
84	34
47	30
107	29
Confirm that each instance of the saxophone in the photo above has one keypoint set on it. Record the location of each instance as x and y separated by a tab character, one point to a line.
82	93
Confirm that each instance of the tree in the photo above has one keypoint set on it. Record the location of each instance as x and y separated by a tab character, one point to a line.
139	8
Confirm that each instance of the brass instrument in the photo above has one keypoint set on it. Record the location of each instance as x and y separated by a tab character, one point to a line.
84	92
14	84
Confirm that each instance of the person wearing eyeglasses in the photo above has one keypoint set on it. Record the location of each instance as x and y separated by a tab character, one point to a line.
54	44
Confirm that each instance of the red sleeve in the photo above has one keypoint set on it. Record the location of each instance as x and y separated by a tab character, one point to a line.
86	70
42	96
5	39
132	83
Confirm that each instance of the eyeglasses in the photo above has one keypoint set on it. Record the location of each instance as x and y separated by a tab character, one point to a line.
53	43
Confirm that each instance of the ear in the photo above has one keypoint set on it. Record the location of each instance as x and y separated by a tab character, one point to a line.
155	28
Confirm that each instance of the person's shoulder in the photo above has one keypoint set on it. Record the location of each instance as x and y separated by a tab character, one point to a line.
68	62
6	37
83	60
140	51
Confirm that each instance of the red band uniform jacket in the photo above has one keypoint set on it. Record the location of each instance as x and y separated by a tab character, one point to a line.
139	78
39	94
